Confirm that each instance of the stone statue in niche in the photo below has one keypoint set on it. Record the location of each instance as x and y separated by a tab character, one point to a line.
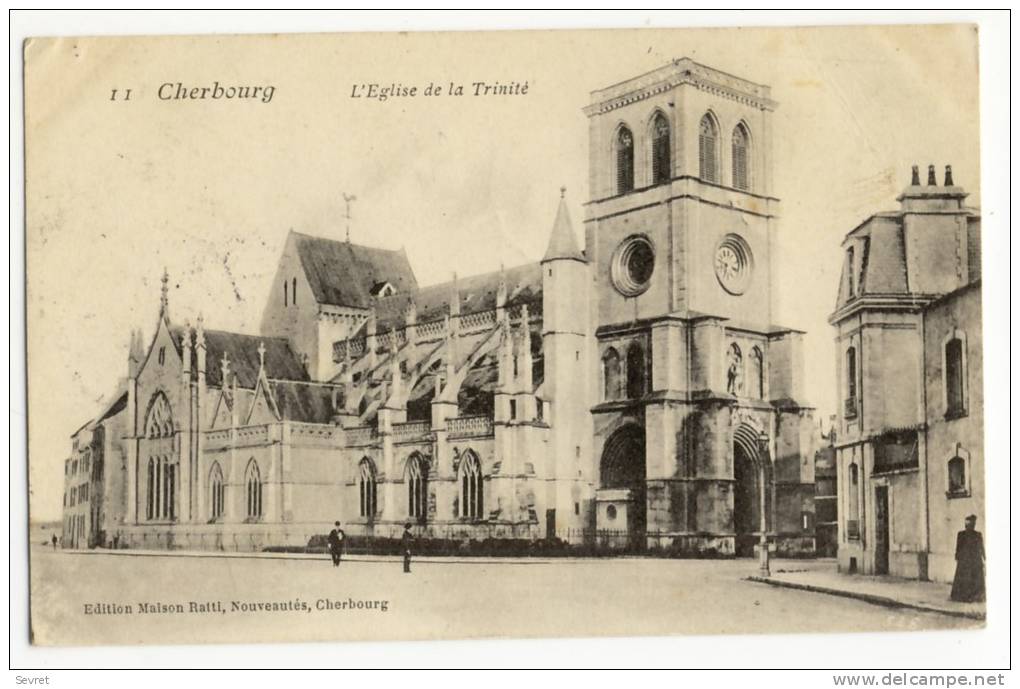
734	372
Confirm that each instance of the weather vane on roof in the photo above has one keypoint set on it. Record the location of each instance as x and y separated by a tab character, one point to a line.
347	201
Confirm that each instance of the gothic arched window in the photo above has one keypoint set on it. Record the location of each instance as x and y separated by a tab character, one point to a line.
470	497
741	148
366	488
758	373
611	374
216	491
708	149
253	488
635	371
416	475
624	146
159	419
661	168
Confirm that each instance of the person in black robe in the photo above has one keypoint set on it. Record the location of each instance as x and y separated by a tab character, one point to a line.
969	582
405	546
335	542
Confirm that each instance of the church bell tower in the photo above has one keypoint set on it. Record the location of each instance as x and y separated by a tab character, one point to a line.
679	234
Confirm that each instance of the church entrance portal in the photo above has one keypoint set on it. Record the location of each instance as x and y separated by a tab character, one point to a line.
748	459
621	496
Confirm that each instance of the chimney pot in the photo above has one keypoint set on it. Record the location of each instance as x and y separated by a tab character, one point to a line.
949	176
915	177
931	176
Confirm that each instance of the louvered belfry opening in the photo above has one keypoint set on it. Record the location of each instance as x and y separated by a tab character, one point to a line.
708	150
624	161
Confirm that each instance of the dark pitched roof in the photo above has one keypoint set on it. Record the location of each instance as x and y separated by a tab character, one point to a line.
307	402
117	407
344	274
242	351
476	292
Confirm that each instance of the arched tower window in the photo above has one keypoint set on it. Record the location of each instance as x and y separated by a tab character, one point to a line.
635	371
216	491
253	490
416	474
661	168
741	156
611	374
366	488
624	146
470	497
758	373
286	287
708	149
293	290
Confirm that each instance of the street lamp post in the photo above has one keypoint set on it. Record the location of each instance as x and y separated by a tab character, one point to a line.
763	541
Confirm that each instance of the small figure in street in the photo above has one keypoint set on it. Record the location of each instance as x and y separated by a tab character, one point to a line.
54	541
969	582
405	546
335	540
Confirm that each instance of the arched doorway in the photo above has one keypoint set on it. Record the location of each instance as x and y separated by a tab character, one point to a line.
749	459
621	494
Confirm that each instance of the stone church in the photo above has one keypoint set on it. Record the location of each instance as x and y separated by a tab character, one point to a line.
633	389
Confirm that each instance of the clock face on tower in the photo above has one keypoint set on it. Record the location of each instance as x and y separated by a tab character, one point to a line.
733	264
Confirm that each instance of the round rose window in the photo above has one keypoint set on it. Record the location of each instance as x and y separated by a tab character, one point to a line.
733	264
633	265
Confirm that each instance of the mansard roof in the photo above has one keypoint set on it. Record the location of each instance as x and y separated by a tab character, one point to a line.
881	264
345	274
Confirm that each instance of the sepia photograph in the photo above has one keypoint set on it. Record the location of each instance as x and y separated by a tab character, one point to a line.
419	335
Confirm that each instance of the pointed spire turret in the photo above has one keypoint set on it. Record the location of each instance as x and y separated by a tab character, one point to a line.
262	354
164	301
562	244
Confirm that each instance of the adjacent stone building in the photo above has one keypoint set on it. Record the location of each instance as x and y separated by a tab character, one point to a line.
635	391
908	332
94	476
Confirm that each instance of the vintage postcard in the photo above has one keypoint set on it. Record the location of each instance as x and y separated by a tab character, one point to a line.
391	336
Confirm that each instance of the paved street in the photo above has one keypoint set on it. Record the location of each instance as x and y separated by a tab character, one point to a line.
133	598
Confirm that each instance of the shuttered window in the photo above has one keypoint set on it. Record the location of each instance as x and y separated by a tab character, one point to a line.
741	180
708	150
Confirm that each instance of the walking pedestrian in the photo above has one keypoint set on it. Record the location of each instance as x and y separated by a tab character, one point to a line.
969	582
335	540
405	546
54	541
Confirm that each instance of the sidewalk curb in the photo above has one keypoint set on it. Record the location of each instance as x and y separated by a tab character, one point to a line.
314	557
866	597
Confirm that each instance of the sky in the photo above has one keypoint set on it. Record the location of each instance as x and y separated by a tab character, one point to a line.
119	190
